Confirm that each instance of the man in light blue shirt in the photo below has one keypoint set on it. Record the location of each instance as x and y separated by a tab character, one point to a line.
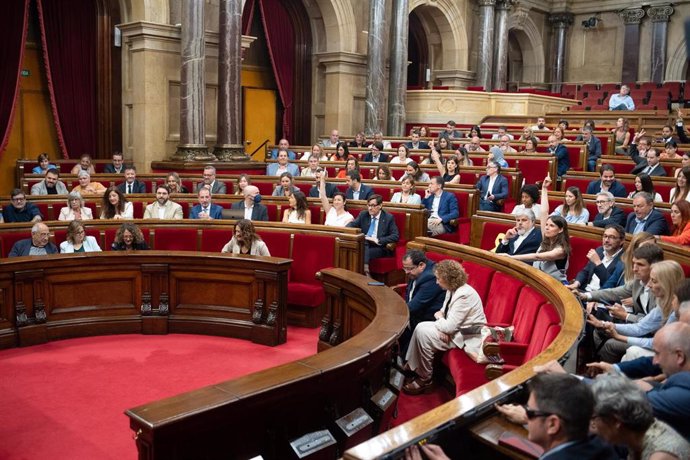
622	100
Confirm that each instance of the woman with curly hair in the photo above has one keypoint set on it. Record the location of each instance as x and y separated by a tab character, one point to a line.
115	205
415	172
129	237
246	241
299	212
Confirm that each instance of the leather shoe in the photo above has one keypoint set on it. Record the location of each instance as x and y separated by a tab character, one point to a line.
418	386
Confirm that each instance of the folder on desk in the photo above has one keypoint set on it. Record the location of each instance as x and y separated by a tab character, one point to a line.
520	444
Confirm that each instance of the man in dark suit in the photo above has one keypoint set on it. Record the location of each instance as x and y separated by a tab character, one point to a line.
131	184
356	190
331	189
379	229
217	187
603	261
442	206
609	213
376	154
593	147
205	209
415	143
38	245
493	188
524	238
117	166
644	217
607	183
253	209
424	296
561	153
650	165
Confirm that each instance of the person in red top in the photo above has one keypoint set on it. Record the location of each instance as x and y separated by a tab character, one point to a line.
680	217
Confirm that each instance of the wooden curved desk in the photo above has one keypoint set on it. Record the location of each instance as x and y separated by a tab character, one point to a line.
72	295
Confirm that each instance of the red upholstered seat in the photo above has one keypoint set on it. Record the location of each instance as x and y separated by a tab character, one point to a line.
501	300
546	328
527	306
138	208
578	254
479	277
316	214
466	374
272	210
43	208
213	240
384	265
489	233
385	192
8	239
278	243
175	239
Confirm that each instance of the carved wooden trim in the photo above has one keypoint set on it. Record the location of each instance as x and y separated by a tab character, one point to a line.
272	314
258	311
324	333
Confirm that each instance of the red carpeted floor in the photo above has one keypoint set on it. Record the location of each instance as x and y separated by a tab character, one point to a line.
65	399
410	407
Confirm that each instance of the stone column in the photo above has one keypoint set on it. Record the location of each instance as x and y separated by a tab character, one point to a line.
192	144
485	55
501	44
397	83
632	17
229	145
660	15
375	89
560	23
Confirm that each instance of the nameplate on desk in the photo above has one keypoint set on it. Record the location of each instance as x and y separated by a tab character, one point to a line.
354	421
396	379
312	442
383	398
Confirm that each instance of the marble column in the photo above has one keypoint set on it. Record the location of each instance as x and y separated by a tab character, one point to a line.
660	15
229	145
560	23
192	144
485	54
397	83
632	17
501	45
375	89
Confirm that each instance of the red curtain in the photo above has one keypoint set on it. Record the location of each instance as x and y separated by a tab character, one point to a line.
69	35
247	17
280	39
12	38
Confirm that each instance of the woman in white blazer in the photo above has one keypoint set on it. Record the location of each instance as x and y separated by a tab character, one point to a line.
75	209
77	241
458	323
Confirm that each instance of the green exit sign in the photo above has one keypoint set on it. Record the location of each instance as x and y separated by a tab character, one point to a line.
26	73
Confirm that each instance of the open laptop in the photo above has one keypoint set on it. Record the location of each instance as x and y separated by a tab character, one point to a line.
233	214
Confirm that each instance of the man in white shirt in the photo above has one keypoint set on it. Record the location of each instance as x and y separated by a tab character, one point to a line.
333	140
541	125
603	261
500	132
523	238
504	145
378	137
163	208
475	145
253	209
622	100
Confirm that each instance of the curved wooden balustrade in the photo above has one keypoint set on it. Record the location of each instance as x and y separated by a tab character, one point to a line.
470	408
150	292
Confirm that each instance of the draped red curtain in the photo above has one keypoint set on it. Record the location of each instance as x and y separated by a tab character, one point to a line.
69	36
280	39
247	16
12	37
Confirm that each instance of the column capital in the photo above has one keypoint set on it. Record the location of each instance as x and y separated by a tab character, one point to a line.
660	13
505	4
487	2
631	15
561	20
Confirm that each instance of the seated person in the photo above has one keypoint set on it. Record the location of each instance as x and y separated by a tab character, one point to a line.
285	187
44	165
475	145
442	206
378	137
650	164
163	207
448	168
457	324
217	187
175	183
541	125
415	143
240	183
504	146
356	190
117	166
360	141
315	190
415	172
38	245
333	139
407	194
316	152
86	187
283	145
529	195
622	100
403	156
77	241
644	183
205	210
20	210
75	209
450	132
131	183
559	151
50	185
379	229
246	241
608	213
645	218
680	217
603	261
298	212
352	164
376	154
83	165
500	132
282	166
253	209
115	205
593	147
524	238
336	214
383	172
128	238
607	183
312	166
573	209
493	188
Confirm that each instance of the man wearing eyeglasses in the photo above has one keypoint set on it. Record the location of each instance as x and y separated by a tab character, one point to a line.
20	210
379	229
493	188
558	414
609	213
603	261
